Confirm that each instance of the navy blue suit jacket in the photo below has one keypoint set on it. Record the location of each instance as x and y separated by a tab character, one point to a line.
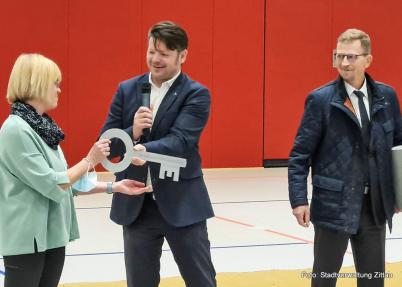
329	140
176	131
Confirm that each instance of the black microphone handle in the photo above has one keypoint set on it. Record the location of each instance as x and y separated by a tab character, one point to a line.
146	102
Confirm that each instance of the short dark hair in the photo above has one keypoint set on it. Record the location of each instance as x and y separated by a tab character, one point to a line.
171	34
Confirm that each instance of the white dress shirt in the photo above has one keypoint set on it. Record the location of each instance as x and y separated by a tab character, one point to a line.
156	97
355	100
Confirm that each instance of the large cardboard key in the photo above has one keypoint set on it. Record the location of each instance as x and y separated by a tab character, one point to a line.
170	165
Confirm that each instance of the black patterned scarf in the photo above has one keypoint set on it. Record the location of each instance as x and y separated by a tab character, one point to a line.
43	125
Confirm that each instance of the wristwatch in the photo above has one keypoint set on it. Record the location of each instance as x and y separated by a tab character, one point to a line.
109	187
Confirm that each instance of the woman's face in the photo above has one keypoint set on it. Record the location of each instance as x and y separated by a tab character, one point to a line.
53	96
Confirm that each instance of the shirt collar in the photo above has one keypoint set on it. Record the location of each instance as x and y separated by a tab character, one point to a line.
350	89
168	83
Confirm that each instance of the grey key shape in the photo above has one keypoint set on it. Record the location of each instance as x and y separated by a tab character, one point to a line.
169	165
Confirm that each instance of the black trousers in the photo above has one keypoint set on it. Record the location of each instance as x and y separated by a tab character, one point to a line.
143	242
368	247
40	269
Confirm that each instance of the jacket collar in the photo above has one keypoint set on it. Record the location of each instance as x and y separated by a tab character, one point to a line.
168	100
341	99
376	100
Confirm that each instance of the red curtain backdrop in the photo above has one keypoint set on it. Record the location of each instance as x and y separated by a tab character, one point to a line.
258	58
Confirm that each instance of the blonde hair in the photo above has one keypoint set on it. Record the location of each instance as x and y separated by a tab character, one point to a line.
31	78
354	34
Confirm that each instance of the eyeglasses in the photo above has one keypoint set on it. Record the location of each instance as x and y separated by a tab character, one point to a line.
351	58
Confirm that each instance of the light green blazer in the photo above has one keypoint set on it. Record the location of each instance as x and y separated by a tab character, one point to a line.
32	205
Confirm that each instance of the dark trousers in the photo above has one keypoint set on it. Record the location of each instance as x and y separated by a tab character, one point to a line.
40	269
143	241
368	247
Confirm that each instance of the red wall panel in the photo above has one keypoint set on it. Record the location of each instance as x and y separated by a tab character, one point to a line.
382	21
27	27
99	46
258	84
238	61
197	20
298	58
299	41
104	49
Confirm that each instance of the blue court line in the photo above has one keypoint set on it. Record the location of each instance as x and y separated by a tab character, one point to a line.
213	203
259	245
251	201
394	238
217	247
212	248
168	250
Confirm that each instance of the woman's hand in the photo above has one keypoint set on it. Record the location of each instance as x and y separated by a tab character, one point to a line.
99	151
130	187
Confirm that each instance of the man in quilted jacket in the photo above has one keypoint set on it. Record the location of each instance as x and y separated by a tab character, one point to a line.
346	134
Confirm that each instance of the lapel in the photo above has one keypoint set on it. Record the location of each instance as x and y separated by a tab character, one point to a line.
377	101
170	97
341	101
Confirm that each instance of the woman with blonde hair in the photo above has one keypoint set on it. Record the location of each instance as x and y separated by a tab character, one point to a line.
37	216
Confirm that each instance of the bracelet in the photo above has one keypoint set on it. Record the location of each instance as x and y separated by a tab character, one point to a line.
109	187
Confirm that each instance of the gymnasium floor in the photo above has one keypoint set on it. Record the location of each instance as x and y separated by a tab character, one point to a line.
253	230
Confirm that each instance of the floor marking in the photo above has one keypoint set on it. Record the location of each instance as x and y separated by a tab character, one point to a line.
267	230
168	250
213	203
270	231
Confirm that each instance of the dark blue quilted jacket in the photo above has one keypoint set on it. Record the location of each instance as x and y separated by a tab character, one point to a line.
330	142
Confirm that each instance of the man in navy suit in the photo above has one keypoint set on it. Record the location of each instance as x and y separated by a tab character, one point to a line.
172	126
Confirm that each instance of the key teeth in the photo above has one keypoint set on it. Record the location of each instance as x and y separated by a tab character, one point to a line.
173	172
161	173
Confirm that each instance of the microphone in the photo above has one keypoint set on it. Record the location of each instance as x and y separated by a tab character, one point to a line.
146	102
146	95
